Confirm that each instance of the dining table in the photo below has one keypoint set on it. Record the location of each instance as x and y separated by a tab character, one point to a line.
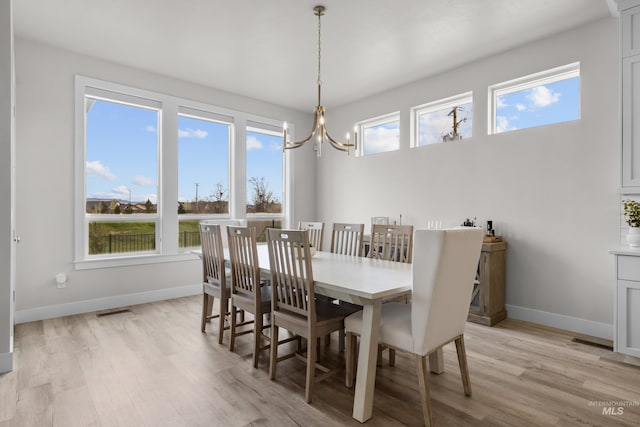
366	282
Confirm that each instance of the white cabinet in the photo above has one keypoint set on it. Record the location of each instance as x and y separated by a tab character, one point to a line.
630	50
627	304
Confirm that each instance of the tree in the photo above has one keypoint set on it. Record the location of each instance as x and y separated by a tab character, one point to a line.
128	209
181	209
262	197
148	206
116	210
219	198
104	209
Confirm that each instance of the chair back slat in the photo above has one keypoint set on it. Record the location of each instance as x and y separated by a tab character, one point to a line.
212	255
346	239
391	242
291	274
444	269
316	231
243	252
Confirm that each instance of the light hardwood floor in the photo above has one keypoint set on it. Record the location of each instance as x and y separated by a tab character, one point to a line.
152	366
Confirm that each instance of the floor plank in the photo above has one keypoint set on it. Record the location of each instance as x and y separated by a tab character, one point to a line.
151	365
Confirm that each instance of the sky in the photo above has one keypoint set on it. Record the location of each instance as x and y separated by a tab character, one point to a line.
551	103
122	158
545	104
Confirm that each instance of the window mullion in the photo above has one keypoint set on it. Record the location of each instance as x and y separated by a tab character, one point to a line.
168	197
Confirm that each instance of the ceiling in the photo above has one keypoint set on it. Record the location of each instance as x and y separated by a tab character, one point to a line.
268	49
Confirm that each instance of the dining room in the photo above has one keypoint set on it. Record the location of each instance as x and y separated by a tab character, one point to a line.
439	113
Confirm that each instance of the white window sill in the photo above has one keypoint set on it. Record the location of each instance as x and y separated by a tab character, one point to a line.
133	260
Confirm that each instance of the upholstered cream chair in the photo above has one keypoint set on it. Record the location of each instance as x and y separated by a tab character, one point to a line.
316	232
294	306
444	269
215	278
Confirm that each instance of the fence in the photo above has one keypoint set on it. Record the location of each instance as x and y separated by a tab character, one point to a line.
145	242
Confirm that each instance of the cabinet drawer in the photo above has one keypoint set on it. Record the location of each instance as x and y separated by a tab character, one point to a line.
629	268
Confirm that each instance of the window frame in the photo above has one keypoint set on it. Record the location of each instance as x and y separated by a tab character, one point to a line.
166	217
372	122
432	107
530	81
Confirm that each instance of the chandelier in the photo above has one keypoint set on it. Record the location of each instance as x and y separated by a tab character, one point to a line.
318	130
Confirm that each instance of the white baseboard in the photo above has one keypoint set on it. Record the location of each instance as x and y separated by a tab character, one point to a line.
6	362
78	307
560	321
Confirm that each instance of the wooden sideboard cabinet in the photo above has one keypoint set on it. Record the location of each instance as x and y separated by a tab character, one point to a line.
487	301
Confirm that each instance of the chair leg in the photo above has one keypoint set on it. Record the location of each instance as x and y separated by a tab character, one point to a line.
273	360
341	339
257	338
232	340
223	315
392	357
205	303
464	368
423	379
312	342
379	358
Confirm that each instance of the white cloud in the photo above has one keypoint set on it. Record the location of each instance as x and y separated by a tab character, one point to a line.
542	96
142	180
502	124
253	143
520	107
151	129
381	139
501	103
121	190
192	133
96	168
276	146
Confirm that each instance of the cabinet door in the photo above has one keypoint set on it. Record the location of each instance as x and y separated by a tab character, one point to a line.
628	318
631	123
630	32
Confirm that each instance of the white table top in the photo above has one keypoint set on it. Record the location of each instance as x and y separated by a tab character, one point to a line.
355	279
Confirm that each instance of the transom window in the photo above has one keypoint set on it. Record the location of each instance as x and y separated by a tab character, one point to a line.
548	97
448	119
379	135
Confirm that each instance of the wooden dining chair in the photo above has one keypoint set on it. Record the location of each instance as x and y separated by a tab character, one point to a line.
444	269
215	278
316	232
346	239
391	242
294	306
247	292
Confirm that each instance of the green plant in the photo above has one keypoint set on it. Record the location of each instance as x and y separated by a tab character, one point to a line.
631	212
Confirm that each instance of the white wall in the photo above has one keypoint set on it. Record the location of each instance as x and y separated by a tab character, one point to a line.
45	185
6	135
551	191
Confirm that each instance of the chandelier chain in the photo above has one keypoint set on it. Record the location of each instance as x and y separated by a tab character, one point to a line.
319	47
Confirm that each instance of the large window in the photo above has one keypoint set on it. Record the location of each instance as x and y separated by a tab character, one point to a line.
379	135
264	177
552	96
203	171
151	166
449	119
121	173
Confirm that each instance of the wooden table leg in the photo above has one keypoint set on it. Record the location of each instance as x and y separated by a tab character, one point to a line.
436	362
366	376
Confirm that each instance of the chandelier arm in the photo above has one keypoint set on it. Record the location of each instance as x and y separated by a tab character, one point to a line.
342	146
295	144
